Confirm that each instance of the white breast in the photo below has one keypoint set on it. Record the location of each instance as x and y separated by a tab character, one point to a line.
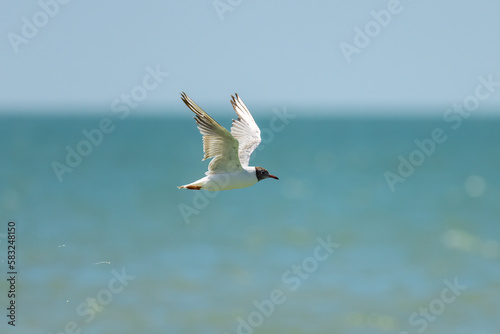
226	181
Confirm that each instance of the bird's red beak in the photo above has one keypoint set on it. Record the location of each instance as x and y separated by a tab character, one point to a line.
274	177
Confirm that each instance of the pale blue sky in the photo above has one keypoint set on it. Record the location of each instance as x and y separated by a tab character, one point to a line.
273	53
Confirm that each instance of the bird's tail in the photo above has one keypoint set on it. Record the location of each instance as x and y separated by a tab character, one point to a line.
196	185
190	187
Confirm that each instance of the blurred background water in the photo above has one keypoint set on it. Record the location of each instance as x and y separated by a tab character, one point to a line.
110	245
119	211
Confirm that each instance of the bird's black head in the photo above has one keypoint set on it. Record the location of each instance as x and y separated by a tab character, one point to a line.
262	174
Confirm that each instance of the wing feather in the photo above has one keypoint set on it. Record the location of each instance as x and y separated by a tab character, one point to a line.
218	143
245	130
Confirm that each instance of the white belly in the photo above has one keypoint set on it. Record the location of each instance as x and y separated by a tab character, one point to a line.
227	181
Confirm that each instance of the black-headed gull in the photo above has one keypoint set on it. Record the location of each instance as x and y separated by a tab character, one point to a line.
230	150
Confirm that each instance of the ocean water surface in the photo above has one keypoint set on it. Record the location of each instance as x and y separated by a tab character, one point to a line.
375	226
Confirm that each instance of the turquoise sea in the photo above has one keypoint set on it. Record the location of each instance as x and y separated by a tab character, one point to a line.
112	246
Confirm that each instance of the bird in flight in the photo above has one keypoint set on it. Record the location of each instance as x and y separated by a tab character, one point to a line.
230	150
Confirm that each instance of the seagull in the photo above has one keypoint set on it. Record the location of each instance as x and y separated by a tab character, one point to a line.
230	150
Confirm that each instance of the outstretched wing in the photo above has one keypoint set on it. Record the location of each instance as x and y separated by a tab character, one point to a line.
245	130
218	143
